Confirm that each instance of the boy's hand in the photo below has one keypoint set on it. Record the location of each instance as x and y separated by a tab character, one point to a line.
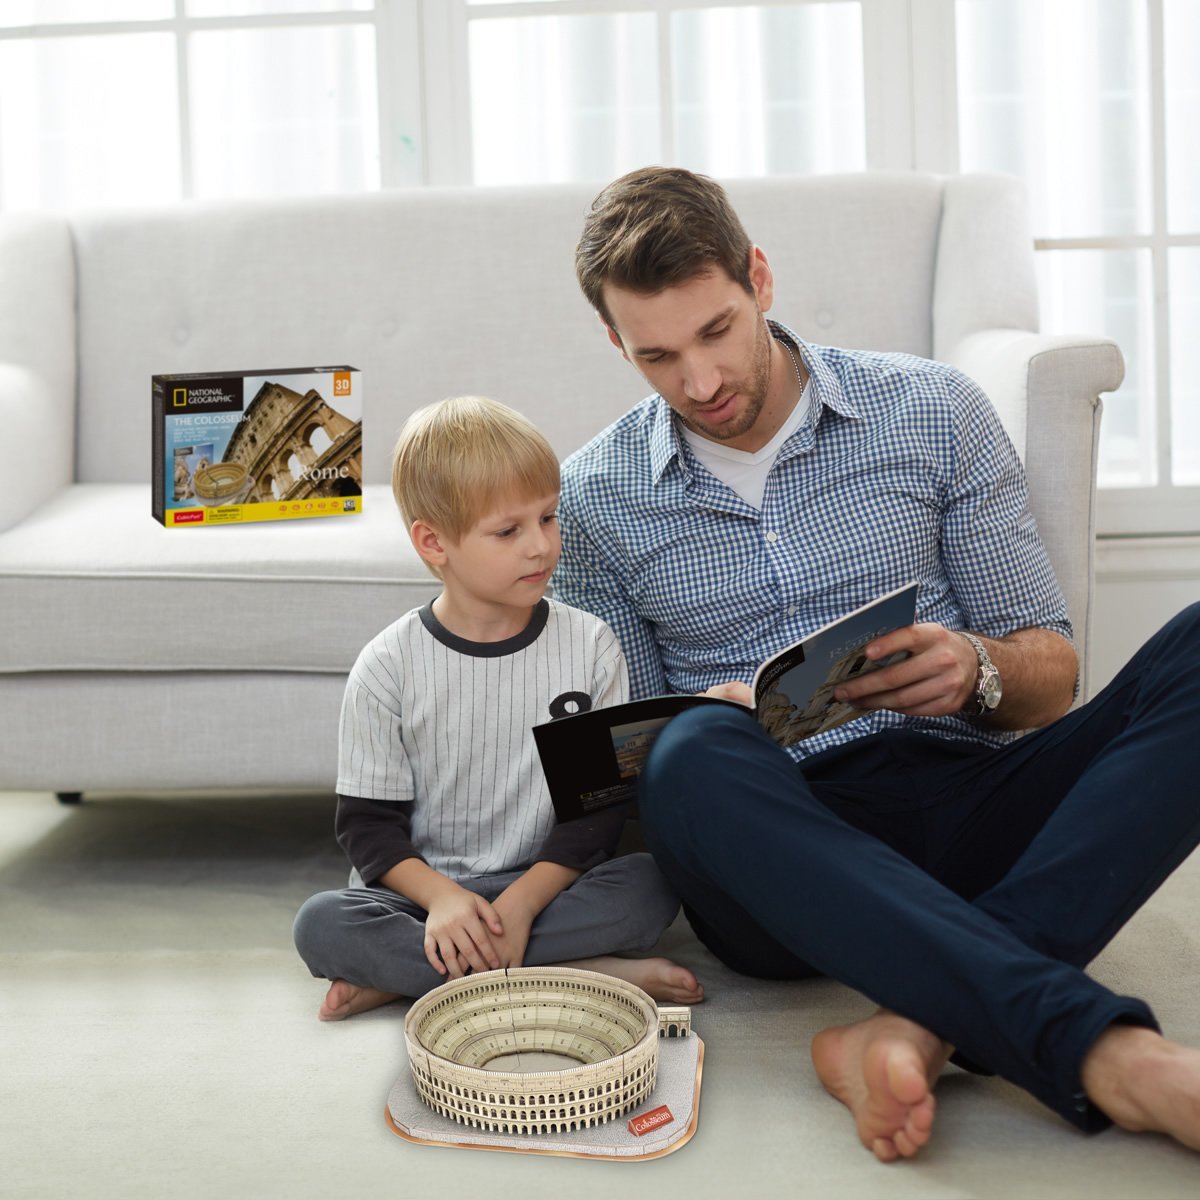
459	933
739	692
520	903
517	919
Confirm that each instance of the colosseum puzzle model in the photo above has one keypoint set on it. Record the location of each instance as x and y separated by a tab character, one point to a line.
548	1060
237	446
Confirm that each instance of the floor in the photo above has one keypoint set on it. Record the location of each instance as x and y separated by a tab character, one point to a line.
158	1039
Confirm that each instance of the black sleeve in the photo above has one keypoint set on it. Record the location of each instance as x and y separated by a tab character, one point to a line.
375	834
587	842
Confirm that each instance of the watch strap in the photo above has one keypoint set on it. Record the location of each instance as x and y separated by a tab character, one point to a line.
986	671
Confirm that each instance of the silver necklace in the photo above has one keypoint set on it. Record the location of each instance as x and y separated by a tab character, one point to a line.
795	364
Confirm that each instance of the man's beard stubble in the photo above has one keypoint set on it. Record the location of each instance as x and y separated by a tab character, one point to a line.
755	394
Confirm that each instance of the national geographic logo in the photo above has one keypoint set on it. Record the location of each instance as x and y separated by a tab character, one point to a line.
204	395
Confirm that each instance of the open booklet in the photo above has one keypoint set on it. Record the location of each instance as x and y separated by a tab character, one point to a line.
592	760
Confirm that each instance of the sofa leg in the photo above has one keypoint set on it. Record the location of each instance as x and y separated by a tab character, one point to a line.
69	797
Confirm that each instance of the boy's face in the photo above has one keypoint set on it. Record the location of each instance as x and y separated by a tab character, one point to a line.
506	558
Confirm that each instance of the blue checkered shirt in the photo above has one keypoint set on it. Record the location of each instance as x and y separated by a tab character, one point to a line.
900	470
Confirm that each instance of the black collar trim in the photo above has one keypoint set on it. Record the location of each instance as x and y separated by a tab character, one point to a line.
527	636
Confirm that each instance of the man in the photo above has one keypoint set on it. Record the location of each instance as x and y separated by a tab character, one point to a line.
958	875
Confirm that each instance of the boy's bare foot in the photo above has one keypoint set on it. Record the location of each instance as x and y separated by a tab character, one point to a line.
883	1070
659	978
345	999
1144	1082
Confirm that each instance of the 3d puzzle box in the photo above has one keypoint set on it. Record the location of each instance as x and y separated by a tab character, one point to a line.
239	446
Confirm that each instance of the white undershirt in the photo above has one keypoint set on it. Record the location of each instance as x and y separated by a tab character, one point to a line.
743	471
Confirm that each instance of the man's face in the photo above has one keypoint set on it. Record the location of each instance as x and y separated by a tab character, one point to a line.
705	348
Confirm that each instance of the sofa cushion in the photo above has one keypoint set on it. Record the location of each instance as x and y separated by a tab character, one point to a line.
93	582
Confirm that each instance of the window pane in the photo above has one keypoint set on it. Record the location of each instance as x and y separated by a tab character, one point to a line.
1182	69
1059	94
258	8
563	98
1185	365
1110	292
76	130
762	91
284	111
16	13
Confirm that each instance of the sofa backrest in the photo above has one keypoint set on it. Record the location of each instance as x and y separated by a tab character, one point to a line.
435	292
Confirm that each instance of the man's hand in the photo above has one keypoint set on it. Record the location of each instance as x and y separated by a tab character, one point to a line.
1037	666
936	679
739	692
461	932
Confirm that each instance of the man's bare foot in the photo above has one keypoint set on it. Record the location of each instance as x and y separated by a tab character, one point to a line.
660	978
1145	1083
883	1070
345	999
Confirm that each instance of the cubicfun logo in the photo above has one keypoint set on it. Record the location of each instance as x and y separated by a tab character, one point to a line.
205	395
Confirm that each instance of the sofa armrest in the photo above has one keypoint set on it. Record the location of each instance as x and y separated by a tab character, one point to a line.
984	278
37	454
1046	389
37	362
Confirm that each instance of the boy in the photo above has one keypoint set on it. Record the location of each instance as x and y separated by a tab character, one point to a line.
443	810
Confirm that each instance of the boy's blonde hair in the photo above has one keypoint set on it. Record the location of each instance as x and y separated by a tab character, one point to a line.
458	458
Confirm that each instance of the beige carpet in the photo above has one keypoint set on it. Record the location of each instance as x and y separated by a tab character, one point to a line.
158	1039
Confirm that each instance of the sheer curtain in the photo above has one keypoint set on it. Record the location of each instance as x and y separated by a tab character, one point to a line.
755	90
1094	103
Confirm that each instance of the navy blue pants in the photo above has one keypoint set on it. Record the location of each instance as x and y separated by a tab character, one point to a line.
963	887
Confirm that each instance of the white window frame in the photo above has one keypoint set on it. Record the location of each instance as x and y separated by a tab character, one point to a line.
890	125
1164	509
910	110
911	104
399	67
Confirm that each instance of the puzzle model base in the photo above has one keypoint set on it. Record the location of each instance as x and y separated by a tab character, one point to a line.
680	1064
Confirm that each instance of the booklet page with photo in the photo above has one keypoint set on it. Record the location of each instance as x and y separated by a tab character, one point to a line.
592	760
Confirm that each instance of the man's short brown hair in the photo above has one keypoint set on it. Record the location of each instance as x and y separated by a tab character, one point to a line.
655	228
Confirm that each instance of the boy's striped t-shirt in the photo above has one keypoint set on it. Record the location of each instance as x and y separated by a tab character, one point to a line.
444	723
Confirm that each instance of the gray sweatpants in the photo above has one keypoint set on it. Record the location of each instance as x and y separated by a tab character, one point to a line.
374	937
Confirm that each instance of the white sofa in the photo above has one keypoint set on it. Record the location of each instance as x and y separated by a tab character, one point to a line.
134	657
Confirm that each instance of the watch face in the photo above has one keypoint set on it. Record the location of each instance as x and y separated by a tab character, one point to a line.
992	690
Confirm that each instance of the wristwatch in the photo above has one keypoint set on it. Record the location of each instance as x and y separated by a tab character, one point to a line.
988	688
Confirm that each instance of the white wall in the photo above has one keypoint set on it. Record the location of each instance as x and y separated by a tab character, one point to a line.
1140	584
